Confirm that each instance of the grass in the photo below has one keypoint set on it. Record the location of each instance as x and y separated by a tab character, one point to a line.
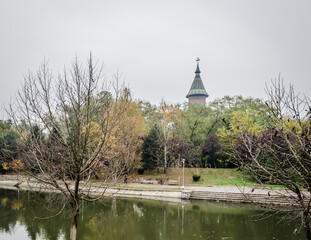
144	188
225	177
274	186
209	177
215	177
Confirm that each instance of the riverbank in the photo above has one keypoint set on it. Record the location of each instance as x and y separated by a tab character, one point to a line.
251	195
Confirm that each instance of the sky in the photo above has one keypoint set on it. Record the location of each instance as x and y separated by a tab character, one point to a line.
242	44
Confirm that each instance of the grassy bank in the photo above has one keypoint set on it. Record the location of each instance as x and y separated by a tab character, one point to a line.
208	176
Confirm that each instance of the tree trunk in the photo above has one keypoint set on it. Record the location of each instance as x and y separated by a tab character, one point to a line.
74	222
75	209
307	224
165	161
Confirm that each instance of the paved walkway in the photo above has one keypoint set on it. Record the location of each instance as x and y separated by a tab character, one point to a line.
224	189
205	188
255	195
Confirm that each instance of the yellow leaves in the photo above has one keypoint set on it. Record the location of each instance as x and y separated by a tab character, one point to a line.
117	132
131	124
111	141
239	124
169	112
17	164
242	122
16	205
135	120
97	230
171	117
5	166
24	135
124	142
293	125
92	225
4	202
93	130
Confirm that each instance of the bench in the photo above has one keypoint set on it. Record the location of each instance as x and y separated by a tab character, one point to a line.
149	181
172	182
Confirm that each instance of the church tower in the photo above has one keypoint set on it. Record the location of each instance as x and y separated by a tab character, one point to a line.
197	93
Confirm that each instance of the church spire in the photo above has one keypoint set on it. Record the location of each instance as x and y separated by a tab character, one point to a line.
197	93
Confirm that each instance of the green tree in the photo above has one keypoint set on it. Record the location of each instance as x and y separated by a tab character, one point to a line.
149	112
152	149
197	122
226	106
240	123
9	145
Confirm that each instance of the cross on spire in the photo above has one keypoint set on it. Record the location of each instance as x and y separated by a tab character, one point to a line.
198	69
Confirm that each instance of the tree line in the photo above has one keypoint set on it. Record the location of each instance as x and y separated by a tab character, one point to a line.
195	132
151	136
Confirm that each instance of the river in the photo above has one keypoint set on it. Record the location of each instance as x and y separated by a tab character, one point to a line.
138	219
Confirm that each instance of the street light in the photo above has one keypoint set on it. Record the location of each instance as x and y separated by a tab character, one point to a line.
183	174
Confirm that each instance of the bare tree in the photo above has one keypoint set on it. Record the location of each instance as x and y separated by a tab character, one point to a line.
66	122
282	154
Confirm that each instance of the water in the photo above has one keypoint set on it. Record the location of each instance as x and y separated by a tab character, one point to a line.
128	219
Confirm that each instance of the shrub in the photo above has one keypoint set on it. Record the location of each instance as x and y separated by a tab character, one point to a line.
196	178
140	171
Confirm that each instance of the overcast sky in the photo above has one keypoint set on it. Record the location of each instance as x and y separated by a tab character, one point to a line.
154	44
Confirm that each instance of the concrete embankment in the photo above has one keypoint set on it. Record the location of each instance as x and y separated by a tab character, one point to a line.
282	199
97	190
262	196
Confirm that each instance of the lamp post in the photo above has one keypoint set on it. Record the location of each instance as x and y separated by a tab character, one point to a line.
183	174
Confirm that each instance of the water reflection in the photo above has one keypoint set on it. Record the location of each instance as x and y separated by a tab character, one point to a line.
137	219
